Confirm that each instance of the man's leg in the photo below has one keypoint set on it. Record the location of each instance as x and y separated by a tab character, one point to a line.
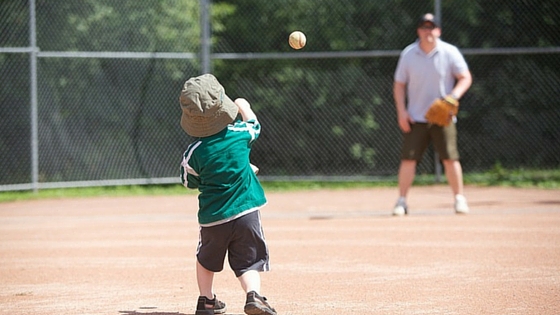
454	174
407	171
415	143
445	143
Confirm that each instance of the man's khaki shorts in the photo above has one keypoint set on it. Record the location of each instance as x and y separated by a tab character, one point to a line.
444	140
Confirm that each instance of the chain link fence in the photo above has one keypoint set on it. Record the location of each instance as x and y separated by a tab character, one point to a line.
89	89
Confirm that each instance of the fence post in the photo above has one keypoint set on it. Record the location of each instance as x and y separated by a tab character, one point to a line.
205	42
33	94
437	9
437	166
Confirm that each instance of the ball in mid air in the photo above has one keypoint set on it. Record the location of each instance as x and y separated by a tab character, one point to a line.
297	40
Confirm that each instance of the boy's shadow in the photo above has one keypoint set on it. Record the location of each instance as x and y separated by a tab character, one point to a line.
150	313
162	313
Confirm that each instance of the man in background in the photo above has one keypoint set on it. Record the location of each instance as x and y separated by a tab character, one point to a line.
429	69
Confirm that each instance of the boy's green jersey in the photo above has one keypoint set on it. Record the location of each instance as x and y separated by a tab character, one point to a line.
219	167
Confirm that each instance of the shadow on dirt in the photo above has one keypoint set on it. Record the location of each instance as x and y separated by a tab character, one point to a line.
162	313
150	313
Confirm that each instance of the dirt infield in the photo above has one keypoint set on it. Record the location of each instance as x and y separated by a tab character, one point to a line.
333	252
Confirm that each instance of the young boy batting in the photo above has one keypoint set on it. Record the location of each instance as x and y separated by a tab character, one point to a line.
217	164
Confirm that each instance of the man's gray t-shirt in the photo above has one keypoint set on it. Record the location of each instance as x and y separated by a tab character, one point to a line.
428	76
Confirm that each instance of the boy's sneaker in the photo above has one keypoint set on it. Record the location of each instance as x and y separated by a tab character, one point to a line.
461	206
216	306
257	305
400	208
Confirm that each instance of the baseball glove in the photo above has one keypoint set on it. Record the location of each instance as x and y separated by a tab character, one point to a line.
442	110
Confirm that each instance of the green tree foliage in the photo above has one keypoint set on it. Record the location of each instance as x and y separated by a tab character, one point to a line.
494	23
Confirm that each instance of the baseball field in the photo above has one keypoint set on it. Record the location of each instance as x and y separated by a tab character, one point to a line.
332	252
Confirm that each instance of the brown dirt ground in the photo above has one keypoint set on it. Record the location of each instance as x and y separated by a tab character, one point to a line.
333	252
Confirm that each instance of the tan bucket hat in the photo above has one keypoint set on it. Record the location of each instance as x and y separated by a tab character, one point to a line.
206	108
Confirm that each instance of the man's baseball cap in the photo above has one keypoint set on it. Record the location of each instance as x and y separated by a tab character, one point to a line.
428	18
206	108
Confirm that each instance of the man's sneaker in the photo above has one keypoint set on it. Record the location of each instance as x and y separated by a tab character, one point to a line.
400	208
257	305
461	206
216	306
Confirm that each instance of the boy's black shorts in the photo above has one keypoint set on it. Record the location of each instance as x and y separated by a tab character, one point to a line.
242	239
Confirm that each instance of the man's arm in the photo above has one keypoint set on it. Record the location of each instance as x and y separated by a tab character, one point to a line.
464	82
399	94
